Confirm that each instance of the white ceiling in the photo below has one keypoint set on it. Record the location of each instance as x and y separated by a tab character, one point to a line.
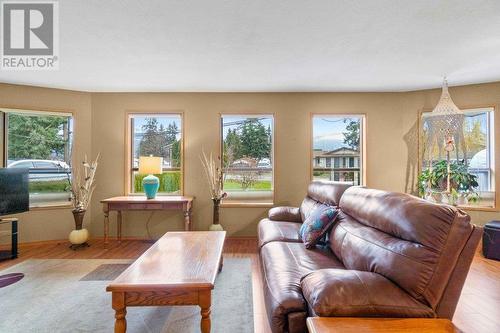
266	45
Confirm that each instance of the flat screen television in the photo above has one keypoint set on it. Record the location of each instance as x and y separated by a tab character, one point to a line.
14	192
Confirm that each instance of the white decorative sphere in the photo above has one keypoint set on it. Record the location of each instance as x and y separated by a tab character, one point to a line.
77	237
215	227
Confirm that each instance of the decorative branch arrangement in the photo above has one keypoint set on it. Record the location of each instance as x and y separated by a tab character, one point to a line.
82	186
214	176
215	180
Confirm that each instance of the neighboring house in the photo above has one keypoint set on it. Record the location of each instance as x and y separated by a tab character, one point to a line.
480	167
341	164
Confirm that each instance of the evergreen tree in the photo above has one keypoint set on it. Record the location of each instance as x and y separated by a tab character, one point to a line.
255	140
151	142
176	154
351	137
233	145
35	137
171	133
160	141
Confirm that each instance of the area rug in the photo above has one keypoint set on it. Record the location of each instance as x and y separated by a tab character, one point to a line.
69	295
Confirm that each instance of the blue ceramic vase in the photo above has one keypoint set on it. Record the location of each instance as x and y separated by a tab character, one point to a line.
150	184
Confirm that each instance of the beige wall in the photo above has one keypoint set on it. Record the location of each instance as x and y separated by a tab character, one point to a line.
44	224
201	115
101	125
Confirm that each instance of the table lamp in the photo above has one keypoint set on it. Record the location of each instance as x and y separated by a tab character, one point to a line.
150	165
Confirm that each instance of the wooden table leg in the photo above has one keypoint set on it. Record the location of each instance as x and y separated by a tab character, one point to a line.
187	219
205	300
221	263
118	303
119	225
106	229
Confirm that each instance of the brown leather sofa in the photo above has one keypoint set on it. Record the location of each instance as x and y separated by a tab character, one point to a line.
389	255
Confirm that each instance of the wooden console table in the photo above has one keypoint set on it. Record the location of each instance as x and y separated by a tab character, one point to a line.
120	204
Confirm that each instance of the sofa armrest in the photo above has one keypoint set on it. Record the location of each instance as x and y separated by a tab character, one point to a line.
349	293
289	214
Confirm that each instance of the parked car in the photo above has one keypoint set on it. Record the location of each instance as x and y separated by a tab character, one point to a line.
43	170
264	163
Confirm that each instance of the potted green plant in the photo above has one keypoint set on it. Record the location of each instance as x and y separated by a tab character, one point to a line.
432	184
463	184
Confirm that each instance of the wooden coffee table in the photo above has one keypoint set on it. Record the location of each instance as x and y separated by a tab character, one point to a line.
379	325
179	269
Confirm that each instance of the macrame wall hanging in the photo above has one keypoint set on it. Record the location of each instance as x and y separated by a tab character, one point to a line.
444	130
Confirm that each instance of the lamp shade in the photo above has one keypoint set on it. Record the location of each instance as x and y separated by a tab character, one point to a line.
150	165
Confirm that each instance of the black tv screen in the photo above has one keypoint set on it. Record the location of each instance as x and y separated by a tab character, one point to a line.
14	192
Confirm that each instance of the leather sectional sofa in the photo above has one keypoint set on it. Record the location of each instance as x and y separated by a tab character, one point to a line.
388	255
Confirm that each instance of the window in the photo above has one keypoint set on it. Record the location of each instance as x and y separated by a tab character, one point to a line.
474	150
248	157
339	138
41	142
160	135
336	162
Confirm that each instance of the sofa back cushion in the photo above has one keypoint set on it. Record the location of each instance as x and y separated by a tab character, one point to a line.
322	192
410	241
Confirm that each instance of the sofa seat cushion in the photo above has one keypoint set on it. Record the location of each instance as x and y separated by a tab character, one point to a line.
350	293
283	231
283	265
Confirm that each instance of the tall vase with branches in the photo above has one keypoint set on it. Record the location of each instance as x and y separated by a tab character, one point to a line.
214	178
82	188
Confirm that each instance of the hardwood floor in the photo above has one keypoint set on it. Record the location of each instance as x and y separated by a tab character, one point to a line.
478	310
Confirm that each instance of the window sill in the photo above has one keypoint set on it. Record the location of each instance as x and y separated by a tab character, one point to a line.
242	204
248	199
479	208
51	206
173	194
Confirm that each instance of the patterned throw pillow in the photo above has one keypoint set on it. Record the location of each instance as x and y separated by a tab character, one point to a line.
317	224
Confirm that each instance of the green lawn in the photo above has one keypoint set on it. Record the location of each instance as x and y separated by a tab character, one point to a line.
232	185
48	186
